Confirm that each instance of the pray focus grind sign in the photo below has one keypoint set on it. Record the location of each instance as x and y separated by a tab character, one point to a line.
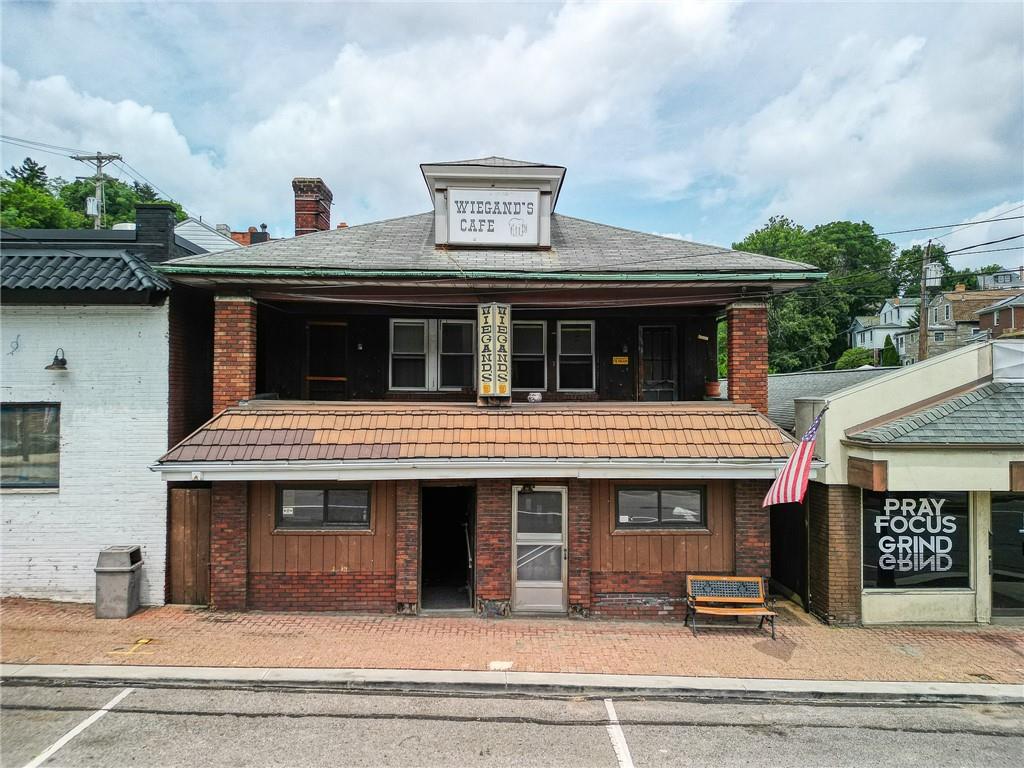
494	369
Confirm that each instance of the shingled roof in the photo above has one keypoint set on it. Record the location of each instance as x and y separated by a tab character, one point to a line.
990	414
577	247
56	269
264	431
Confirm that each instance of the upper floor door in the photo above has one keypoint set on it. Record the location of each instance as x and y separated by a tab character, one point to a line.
659	377
326	361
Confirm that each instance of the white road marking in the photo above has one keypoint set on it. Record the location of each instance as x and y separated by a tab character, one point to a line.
618	737
59	744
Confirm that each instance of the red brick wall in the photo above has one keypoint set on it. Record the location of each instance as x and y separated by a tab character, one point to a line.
638	595
190	363
494	541
748	354
407	545
753	529
834	555
365	592
229	546
578	529
234	350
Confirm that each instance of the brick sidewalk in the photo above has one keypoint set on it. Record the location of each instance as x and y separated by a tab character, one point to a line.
39	632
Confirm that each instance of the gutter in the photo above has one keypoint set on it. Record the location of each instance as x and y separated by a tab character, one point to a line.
852	443
187	269
444	469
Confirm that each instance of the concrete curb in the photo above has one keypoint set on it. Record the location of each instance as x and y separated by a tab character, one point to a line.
519	683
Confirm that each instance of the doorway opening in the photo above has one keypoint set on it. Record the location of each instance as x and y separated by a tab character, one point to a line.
447	530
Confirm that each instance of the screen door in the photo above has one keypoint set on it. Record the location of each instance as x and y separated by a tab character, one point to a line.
540	553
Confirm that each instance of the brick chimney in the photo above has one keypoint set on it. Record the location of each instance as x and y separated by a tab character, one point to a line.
312	205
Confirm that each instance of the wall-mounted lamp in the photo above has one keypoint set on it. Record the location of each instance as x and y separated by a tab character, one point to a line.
59	363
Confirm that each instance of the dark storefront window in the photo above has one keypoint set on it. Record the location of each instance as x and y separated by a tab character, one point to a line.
660	508
916	541
323	508
30	455
1008	554
529	368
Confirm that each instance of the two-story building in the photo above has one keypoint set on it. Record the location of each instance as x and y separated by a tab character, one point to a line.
488	406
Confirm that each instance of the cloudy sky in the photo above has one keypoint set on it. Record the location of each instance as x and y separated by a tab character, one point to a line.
693	120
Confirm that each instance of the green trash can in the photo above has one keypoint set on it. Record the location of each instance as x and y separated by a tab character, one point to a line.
118	581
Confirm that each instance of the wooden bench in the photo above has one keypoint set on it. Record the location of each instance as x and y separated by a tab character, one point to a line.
728	596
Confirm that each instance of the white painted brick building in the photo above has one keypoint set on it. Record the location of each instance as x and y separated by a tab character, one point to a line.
113	424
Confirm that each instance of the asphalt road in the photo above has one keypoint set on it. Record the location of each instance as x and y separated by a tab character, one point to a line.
167	726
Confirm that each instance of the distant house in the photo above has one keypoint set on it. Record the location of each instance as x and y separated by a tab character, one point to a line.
1007	279
210	239
869	331
1002	317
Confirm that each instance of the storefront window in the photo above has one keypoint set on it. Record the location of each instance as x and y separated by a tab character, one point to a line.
31	445
1008	554
322	508
916	541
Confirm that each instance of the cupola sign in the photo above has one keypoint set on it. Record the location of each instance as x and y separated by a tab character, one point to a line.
493	216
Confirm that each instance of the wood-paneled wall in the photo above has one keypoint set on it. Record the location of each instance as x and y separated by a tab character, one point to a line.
668	551
322	552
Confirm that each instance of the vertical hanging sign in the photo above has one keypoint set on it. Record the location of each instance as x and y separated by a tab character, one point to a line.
494	369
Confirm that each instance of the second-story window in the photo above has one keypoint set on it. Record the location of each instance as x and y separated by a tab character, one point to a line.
409	347
529	364
576	355
457	346
948	310
995	317
428	355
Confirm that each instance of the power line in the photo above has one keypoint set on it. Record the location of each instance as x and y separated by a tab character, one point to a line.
947	226
978	245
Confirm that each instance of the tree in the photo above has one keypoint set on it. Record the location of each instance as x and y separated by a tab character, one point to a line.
854	358
119	198
25	205
30	172
889	354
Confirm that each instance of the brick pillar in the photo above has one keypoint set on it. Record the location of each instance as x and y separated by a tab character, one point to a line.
748	354
407	546
834	552
493	546
229	546
234	350
753	527
579	547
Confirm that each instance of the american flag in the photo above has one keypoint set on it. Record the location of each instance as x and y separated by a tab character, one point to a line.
791	484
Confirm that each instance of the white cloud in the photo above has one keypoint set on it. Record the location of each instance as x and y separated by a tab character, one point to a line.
1009	253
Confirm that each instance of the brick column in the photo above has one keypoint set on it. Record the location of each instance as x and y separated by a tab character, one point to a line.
579	547
407	546
493	546
834	552
748	353
229	546
234	350
753	527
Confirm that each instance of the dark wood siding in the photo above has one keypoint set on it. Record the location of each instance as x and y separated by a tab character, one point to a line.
711	551
188	557
273	551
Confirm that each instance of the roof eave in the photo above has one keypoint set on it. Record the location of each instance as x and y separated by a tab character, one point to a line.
449	469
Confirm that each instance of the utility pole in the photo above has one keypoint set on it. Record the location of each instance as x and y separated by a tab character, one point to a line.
98	160
922	312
